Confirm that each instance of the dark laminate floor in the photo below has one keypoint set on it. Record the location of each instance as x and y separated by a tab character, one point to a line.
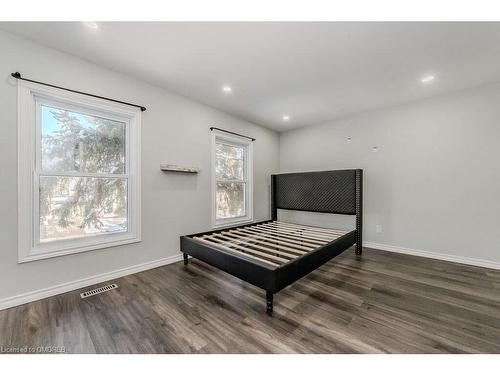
384	302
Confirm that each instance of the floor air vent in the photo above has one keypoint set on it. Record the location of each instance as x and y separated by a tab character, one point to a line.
93	292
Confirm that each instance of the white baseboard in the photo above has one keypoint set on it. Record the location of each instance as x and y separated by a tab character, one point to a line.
21	299
430	254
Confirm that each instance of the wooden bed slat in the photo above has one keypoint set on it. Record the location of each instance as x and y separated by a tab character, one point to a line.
297	244
306	231
267	249
257	249
223	244
303	229
299	233
273	232
267	241
311	228
219	244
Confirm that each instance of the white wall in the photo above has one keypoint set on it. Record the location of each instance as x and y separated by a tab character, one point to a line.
434	184
174	129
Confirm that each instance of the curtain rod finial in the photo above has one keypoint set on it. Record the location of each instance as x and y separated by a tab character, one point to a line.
16	75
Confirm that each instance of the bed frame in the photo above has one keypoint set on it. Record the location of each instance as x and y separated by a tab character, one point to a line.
272	254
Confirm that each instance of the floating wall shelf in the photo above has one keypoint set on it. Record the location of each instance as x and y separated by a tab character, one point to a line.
176	168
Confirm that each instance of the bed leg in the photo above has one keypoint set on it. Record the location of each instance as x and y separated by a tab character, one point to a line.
185	256
269	302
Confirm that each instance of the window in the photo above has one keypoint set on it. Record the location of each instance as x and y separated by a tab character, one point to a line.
79	176
231	180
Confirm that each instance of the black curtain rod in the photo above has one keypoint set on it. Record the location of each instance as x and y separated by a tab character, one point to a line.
227	131
17	75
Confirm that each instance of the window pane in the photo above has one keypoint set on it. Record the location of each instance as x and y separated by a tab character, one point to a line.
229	162
72	207
230	199
73	141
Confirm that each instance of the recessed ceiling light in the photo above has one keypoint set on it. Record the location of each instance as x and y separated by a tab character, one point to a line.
227	89
286	117
428	79
91	25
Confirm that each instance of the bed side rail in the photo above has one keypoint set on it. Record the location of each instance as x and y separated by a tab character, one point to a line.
290	272
254	272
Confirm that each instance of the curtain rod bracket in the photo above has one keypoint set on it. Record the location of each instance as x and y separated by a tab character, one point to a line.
17	75
227	131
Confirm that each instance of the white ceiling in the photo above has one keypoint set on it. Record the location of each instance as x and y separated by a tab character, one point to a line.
312	72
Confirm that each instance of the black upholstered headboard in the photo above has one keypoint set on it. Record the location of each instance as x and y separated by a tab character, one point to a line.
336	192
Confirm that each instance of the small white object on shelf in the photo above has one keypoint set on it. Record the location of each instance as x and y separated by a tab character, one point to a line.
176	168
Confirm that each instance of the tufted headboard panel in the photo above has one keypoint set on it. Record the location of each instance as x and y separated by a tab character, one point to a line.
336	192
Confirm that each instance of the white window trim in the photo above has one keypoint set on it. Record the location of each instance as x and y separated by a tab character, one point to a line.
220	223
28	143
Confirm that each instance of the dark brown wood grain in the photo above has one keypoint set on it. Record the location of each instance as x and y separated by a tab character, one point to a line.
380	303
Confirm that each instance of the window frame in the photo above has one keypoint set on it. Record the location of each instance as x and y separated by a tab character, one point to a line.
31	97
220	137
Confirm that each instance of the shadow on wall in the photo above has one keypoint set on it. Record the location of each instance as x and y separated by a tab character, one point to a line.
175	181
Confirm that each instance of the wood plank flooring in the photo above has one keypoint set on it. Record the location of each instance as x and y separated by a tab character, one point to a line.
381	303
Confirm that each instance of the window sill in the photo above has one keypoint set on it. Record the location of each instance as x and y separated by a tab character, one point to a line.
232	223
34	254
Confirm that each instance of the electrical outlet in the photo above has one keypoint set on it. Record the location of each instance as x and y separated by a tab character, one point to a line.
378	228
